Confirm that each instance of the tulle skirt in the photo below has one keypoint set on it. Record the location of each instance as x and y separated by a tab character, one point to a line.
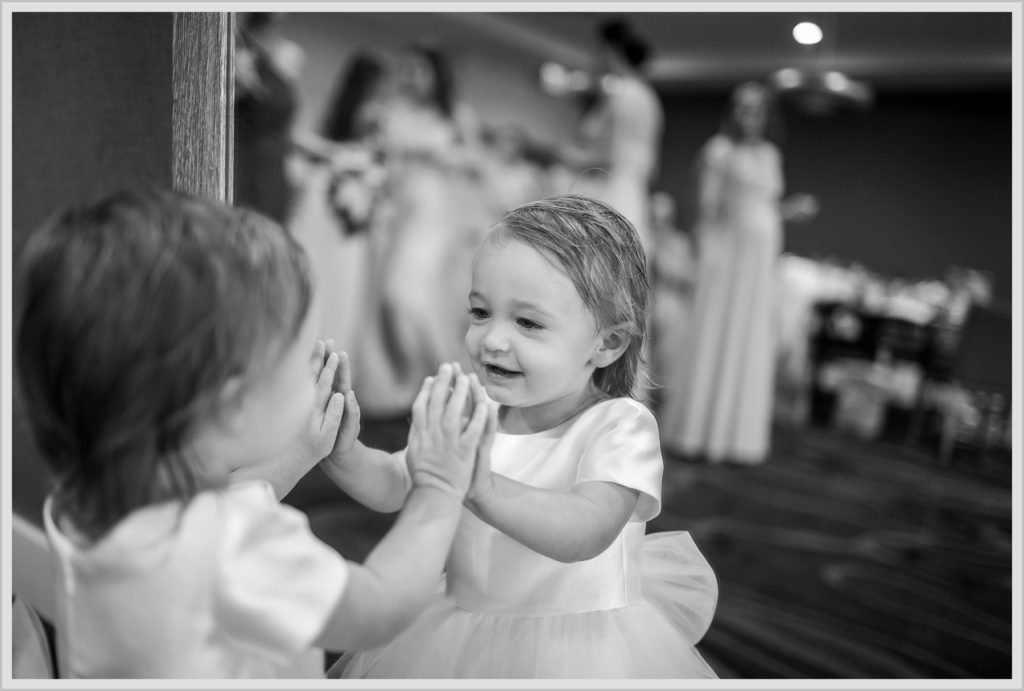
653	638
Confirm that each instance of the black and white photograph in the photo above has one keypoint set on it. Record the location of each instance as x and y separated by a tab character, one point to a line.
673	344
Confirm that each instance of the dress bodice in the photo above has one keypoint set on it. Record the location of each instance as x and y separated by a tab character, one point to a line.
615	441
751	177
634	611
416	131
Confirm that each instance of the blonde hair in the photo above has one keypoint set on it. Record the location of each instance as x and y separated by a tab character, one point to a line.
601	252
137	309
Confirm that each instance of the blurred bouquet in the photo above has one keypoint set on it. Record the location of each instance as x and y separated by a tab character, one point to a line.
357	184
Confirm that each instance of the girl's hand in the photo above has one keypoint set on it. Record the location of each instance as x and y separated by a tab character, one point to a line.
348	430
442	451
328	409
482	484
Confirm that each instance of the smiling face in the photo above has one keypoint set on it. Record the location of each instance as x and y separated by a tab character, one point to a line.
415	76
531	339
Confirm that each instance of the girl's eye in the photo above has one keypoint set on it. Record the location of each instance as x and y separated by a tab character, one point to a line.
477	313
529	324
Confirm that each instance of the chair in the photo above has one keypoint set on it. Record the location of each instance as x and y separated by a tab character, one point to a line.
982	369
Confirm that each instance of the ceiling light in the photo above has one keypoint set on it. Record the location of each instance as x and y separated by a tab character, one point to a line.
788	78
820	93
836	81
817	87
558	80
807	33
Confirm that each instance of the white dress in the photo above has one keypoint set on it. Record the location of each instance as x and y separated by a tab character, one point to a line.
718	403
627	127
233	585
636	610
340	262
421	275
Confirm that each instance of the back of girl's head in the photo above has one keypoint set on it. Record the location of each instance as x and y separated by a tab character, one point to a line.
137	310
600	251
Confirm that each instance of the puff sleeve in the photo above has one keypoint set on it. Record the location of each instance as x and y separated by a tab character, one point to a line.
276	582
624	448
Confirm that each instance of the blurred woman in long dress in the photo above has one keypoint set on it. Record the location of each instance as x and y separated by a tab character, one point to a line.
674	270
619	138
333	216
717	406
430	229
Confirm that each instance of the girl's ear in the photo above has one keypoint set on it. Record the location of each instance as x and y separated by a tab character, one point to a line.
231	405
614	342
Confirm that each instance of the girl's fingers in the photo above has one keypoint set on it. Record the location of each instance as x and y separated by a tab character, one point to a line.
419	405
452	418
439	394
332	417
316	362
328	349
324	381
479	392
471	435
351	415
343	379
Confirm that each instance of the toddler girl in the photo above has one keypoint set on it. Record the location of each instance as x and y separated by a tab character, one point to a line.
551	574
166	351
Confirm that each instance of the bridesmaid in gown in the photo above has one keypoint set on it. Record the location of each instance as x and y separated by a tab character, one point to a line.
619	138
334	213
717	405
427	233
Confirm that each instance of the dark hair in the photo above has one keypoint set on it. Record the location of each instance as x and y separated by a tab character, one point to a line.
137	310
773	129
363	74
257	21
444	82
620	35
601	252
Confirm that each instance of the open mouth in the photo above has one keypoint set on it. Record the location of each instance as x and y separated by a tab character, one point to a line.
497	371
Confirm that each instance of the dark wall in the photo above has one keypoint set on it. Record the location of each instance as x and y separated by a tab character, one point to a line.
90	112
920	182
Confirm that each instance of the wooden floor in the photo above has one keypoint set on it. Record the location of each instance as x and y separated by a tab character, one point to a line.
837	558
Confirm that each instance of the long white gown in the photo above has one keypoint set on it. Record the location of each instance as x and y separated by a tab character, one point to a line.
419	287
340	262
717	405
626	126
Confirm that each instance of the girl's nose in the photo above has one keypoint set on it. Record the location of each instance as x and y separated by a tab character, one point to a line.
495	339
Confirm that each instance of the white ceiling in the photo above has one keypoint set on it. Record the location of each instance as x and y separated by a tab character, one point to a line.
700	50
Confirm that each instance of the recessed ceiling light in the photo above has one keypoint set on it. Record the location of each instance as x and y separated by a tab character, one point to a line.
788	78
836	81
807	33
